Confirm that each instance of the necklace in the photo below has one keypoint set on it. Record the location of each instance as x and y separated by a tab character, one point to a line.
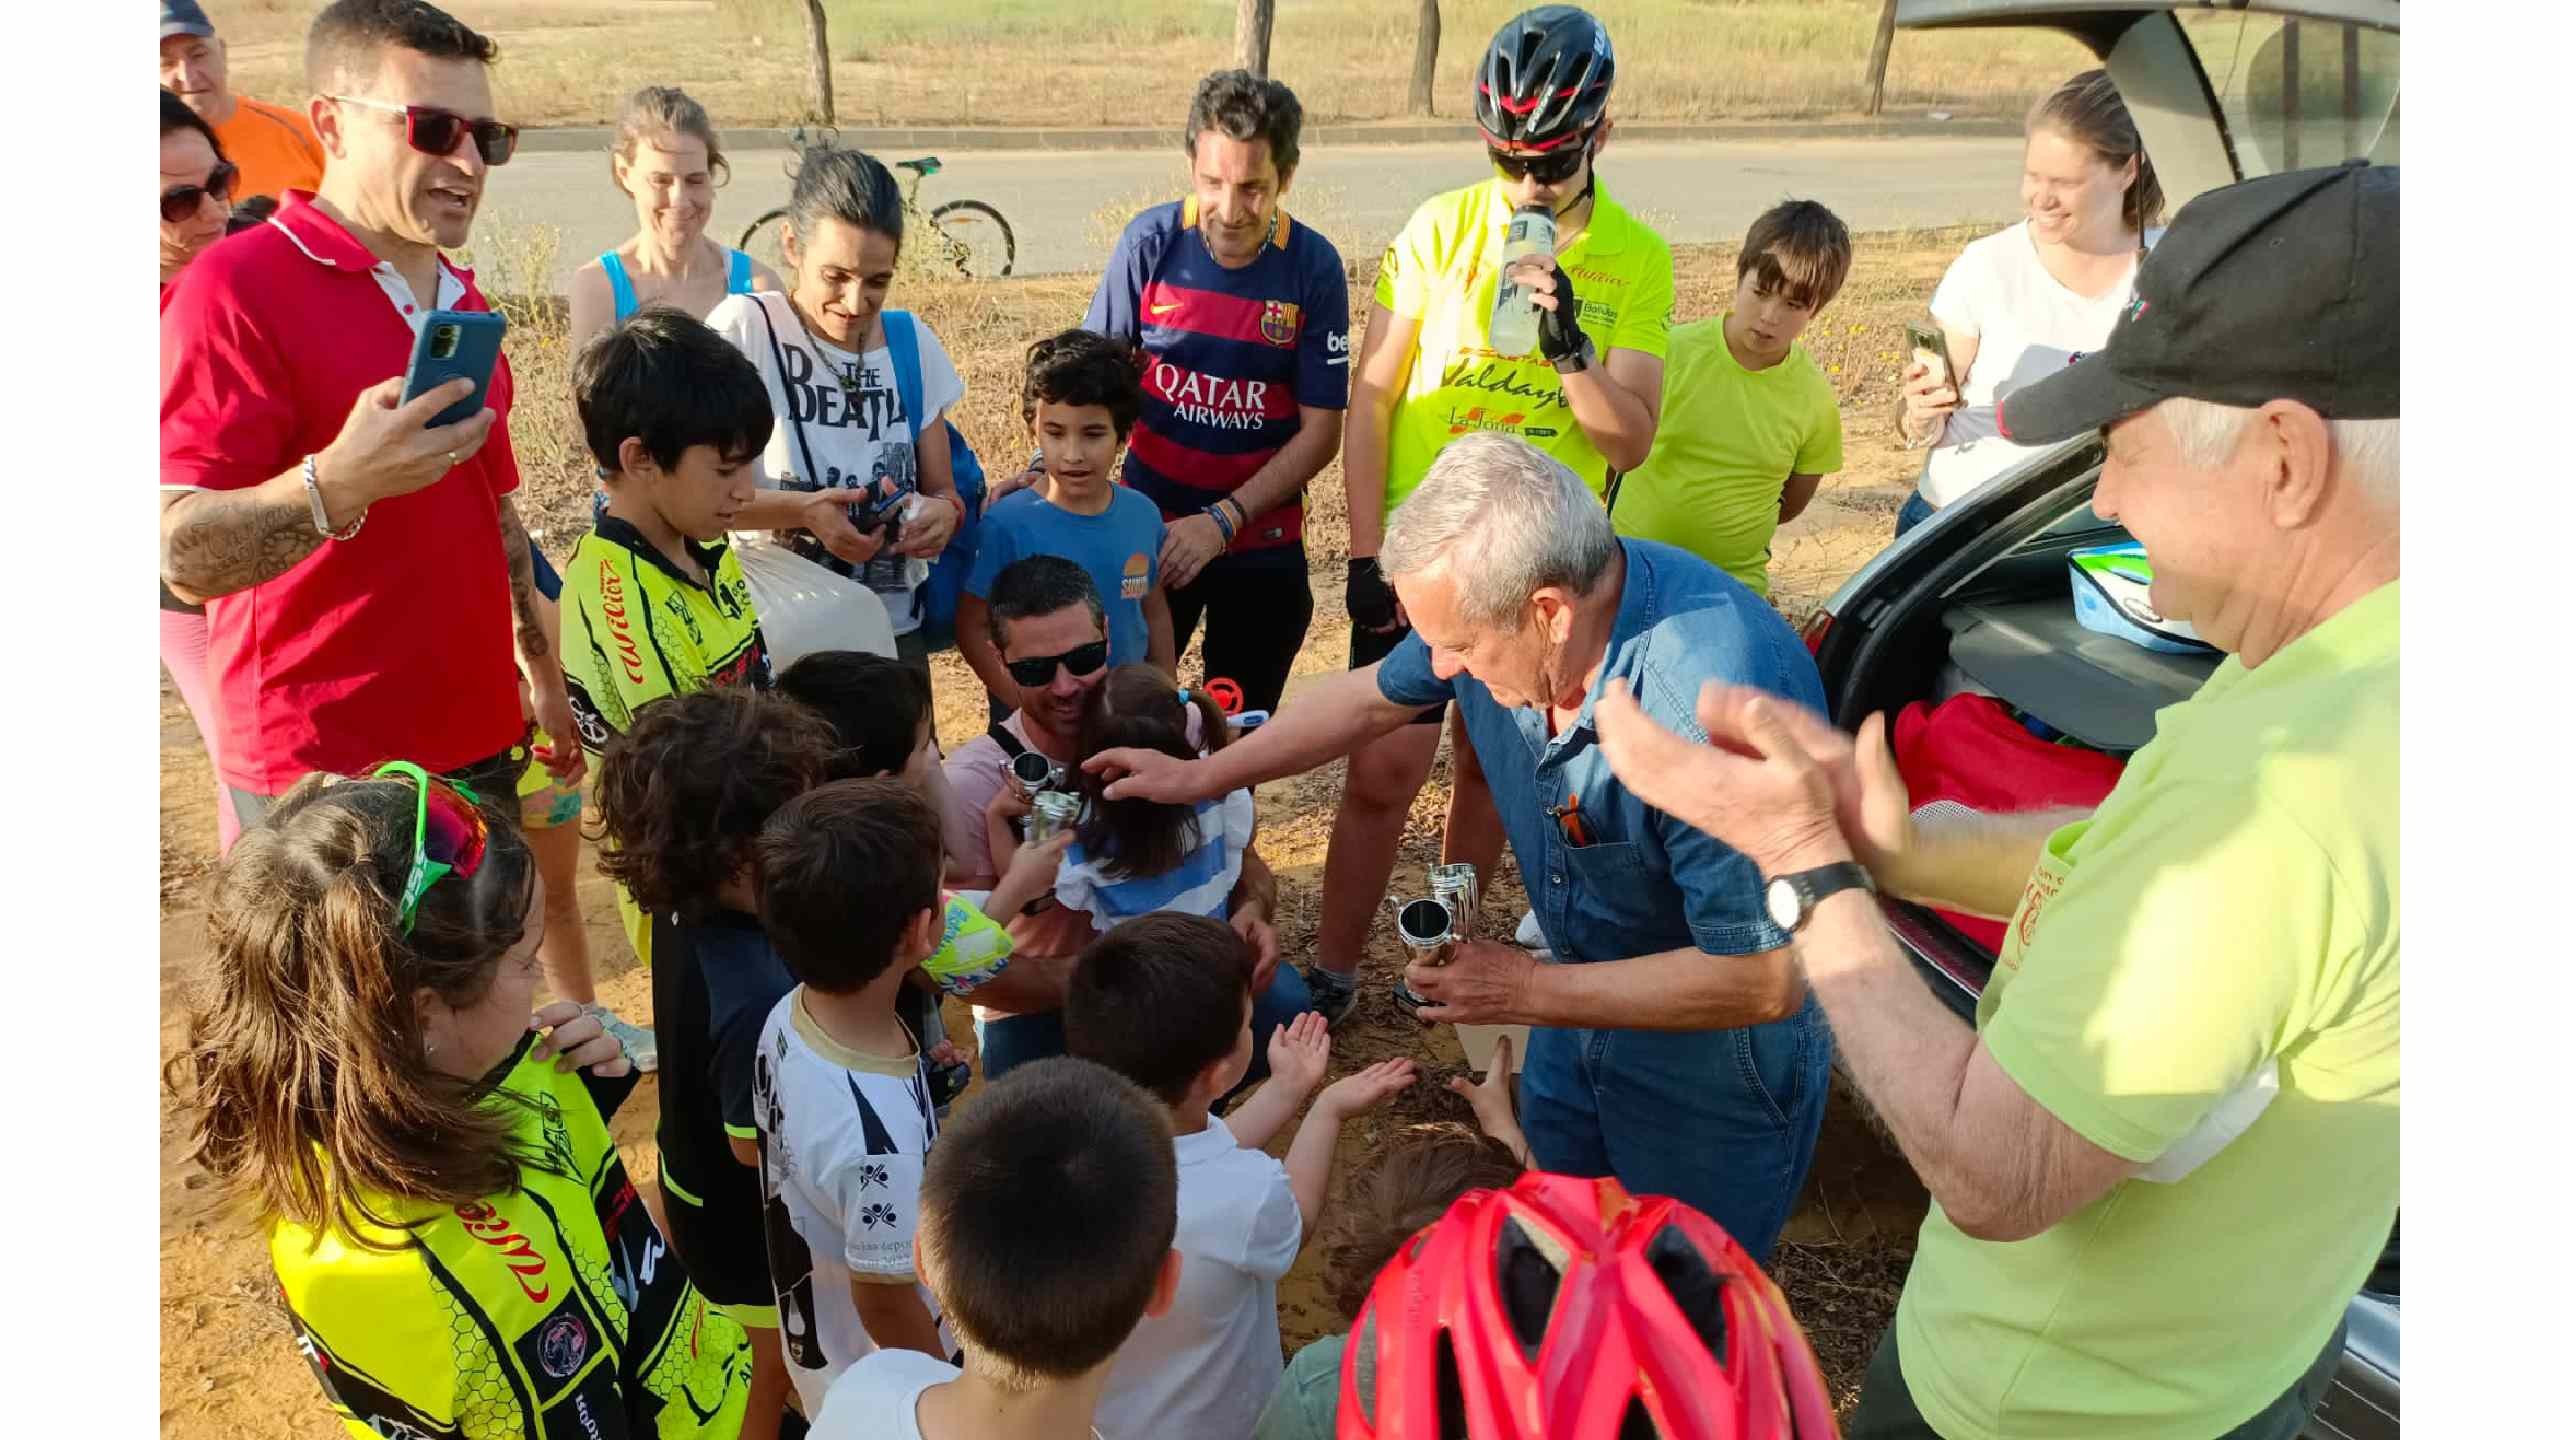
818	348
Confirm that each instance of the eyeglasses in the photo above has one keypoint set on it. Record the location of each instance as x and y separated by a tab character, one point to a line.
440	132
179	202
452	835
1550	169
1036	672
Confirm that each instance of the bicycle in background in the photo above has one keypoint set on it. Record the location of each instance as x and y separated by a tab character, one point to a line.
977	241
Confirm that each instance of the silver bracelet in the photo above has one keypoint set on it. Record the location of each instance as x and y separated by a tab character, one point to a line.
320	512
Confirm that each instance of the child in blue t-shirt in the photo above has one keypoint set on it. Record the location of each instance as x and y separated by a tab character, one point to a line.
1080	396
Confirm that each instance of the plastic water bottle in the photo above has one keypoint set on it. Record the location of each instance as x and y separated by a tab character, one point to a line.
1514	331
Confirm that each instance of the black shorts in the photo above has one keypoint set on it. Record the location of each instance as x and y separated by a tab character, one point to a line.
1368	647
1258	606
717	1233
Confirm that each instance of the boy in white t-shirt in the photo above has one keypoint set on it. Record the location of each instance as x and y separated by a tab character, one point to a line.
1048	1219
851	898
1166	1000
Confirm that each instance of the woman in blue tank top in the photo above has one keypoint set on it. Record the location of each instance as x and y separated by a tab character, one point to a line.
666	157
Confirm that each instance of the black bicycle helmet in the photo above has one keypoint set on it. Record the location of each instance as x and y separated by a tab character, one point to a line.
1545	79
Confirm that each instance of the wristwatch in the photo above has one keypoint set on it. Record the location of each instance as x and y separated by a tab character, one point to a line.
1792	897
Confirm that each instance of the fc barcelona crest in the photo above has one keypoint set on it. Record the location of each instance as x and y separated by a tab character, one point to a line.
1279	322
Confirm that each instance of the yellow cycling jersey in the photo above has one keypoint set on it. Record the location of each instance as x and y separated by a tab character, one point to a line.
634	628
1444	269
553	1312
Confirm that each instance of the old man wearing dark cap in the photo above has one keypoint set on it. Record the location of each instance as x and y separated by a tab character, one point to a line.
2168	1153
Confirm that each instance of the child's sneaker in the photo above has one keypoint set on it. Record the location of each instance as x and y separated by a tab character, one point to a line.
1331	996
639	1045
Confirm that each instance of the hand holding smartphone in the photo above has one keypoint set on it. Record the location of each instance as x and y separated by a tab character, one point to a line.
1929	348
452	345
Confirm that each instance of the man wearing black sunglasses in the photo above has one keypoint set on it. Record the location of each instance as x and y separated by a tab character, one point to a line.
370	585
1428	373
1050	630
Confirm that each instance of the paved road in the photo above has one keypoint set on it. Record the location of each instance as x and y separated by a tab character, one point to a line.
1695	191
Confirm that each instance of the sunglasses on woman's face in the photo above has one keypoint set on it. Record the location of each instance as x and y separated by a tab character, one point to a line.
180	202
440	132
1552	169
1036	672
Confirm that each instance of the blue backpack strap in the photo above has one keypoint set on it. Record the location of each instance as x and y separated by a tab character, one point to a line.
898	327
625	299
742	273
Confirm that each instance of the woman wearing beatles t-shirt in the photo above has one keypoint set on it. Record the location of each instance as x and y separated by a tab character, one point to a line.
845	455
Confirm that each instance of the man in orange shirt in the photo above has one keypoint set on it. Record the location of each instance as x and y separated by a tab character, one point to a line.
273	146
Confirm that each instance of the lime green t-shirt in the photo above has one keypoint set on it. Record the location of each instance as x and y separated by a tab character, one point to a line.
1728	440
1444	269
2234	905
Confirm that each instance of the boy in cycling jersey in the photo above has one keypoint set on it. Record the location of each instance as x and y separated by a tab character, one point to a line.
1749	424
1588	394
652	602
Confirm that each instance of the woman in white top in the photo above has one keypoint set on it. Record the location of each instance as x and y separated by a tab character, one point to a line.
2018	305
853	480
667	158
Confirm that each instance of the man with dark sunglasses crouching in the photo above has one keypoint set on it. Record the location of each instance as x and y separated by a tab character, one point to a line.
1049	628
368	583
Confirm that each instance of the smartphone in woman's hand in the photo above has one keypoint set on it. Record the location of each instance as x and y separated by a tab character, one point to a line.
1928	347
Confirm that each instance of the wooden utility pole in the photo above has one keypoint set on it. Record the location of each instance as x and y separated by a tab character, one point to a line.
1877	54
1426	55
1253	36
822	76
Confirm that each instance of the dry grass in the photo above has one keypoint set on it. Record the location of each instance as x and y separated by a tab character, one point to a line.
1133	62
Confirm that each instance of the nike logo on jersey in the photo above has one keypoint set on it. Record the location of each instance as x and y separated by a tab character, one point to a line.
1161	310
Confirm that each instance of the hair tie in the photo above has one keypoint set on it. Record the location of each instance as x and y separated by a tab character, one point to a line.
1182	696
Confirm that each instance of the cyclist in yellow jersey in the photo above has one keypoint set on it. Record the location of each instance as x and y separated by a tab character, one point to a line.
460	1249
1589	394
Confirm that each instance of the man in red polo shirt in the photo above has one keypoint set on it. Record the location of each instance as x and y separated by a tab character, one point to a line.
368	582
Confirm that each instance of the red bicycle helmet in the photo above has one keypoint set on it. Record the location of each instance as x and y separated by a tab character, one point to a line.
1544	80
1566	1309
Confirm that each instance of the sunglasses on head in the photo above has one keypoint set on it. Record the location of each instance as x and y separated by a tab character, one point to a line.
1549	169
179	202
1036	672
452	835
440	132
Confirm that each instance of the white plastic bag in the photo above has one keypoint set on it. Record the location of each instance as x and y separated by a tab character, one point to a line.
803	607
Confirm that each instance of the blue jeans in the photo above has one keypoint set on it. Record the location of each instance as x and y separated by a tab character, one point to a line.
1021	1039
1723	1120
1914	510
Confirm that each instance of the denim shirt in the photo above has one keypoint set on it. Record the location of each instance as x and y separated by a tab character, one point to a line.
1645	882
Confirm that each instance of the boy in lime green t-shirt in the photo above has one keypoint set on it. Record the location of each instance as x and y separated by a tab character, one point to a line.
1749	425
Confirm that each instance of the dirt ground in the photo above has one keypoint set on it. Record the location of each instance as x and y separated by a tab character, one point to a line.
228	1368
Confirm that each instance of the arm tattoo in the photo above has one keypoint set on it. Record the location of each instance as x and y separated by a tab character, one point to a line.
530	642
220	542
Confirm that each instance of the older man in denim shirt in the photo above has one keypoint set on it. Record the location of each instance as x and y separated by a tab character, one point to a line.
1674	1045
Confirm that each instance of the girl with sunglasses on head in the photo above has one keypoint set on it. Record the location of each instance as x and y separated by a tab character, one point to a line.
459	1248
195	210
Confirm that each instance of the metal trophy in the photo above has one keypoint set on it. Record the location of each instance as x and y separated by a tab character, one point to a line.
1052	811
1429	926
1030	773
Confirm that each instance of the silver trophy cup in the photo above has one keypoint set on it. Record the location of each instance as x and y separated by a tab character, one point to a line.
1426	928
1030	773
1051	812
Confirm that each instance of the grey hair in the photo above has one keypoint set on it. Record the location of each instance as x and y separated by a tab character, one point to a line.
2368	450
847	185
1513	517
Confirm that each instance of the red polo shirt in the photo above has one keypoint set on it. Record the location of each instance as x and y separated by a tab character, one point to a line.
400	643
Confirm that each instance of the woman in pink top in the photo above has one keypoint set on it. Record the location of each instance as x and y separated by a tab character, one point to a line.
195	208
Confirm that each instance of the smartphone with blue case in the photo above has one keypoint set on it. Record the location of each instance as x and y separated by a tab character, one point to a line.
455	344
